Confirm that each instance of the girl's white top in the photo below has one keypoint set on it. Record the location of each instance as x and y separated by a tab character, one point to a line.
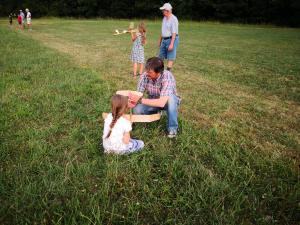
114	143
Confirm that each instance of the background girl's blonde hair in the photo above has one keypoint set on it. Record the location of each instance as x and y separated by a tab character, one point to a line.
119	105
142	30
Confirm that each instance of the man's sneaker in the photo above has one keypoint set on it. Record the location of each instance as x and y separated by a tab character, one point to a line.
172	134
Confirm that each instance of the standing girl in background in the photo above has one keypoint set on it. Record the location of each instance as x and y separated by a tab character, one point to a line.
116	134
20	20
137	53
23	19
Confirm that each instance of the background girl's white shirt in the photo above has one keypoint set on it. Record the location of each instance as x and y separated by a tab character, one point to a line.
115	143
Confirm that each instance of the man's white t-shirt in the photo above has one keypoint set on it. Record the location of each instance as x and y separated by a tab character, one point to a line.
169	26
115	143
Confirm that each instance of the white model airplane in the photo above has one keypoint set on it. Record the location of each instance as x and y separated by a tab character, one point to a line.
117	32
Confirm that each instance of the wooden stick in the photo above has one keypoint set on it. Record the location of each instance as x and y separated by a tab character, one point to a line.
133	117
126	93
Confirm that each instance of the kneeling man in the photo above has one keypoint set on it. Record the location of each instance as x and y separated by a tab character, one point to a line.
160	86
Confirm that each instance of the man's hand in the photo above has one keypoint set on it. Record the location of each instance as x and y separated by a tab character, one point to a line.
171	46
131	104
132	100
159	44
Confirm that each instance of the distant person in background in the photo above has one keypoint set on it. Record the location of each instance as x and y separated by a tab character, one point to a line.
23	19
10	17
28	19
137	53
20	20
168	40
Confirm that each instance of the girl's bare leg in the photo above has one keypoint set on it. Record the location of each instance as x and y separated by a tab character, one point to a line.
141	68
135	65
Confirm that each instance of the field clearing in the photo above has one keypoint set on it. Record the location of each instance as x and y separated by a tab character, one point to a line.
235	161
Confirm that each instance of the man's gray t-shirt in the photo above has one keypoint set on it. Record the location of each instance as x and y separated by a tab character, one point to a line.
169	26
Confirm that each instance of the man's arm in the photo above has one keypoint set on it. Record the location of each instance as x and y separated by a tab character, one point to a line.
160	102
171	46
159	40
174	30
141	84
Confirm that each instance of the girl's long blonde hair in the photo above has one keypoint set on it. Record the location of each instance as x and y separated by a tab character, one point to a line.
119	105
142	30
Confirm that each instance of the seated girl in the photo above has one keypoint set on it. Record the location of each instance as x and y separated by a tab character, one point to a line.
117	127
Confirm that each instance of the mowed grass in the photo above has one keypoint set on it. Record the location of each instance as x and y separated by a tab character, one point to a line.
235	161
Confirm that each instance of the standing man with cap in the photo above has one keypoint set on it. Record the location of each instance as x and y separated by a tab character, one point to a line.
28	19
169	39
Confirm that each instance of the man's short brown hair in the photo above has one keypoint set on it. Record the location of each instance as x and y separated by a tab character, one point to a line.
156	64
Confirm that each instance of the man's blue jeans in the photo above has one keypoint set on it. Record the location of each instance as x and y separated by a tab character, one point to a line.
171	108
164	53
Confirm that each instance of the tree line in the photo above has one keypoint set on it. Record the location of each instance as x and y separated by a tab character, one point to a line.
280	12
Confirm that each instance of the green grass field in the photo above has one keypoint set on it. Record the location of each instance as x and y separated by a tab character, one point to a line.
236	160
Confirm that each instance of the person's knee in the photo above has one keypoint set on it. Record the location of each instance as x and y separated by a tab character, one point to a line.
172	102
172	55
141	144
138	109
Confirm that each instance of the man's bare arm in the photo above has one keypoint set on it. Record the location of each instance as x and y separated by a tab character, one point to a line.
160	102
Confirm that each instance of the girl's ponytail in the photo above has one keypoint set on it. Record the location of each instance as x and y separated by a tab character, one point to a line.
111	126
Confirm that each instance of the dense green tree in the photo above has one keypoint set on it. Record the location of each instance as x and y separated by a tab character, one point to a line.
282	12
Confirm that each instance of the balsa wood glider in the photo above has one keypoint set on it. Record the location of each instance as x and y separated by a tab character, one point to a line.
117	32
133	117
130	30
126	93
